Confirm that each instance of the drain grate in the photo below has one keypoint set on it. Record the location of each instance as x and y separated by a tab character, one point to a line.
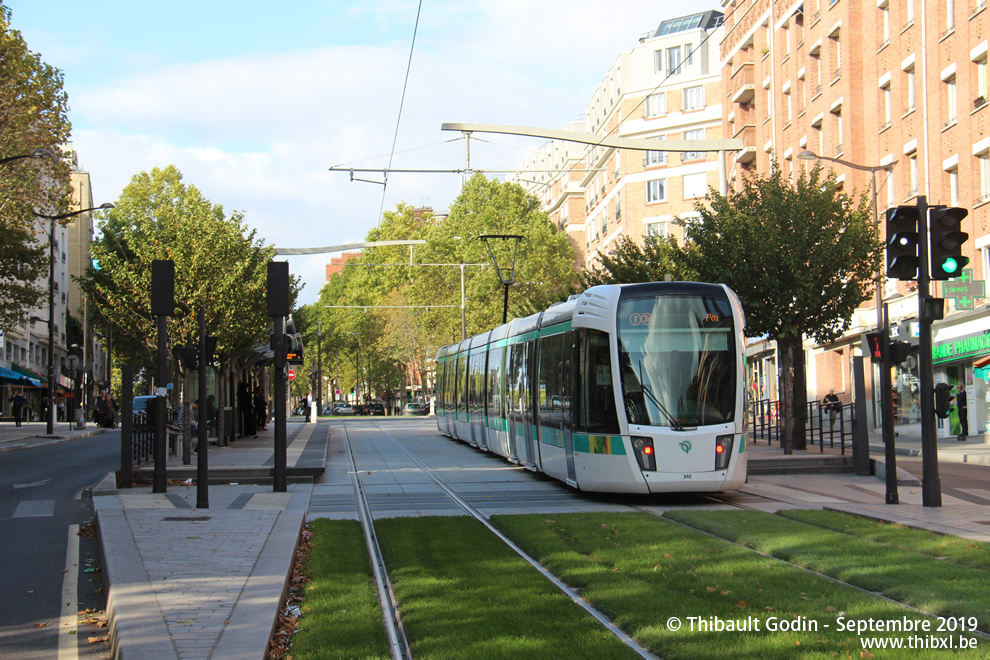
186	518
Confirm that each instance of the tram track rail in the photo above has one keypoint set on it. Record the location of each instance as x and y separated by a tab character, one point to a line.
399	646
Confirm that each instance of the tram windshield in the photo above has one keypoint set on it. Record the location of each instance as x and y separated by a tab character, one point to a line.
678	359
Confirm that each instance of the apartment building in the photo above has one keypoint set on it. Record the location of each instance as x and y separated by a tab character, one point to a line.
667	87
24	347
900	85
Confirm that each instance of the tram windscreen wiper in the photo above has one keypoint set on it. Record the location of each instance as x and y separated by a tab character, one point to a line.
674	424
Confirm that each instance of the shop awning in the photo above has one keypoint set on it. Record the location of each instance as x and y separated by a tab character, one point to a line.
15	378
982	362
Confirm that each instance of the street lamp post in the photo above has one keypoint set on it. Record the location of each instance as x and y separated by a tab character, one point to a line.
506	280
50	422
37	153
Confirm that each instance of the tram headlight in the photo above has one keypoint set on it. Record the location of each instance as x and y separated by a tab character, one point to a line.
723	451
645	454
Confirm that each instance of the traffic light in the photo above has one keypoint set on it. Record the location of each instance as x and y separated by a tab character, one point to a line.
902	242
899	351
293	343
873	346
947	238
943	400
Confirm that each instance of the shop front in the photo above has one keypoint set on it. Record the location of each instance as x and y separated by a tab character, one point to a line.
961	354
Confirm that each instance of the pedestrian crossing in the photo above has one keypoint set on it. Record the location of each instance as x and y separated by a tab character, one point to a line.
34	509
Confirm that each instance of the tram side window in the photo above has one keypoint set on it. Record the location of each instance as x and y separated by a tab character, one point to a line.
476	373
525	373
543	382
555	391
597	412
461	383
495	381
567	376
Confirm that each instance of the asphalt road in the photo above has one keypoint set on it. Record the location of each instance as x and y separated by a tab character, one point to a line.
42	505
966	481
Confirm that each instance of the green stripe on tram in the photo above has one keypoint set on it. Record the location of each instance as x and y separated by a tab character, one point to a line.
599	444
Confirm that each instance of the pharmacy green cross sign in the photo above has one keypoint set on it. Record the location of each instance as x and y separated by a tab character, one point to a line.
964	289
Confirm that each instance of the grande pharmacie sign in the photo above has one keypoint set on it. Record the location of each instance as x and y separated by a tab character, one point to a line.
961	348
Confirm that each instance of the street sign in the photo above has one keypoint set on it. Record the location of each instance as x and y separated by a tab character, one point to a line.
292	374
72	362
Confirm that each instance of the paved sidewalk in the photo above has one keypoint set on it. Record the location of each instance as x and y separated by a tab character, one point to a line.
187	582
33	434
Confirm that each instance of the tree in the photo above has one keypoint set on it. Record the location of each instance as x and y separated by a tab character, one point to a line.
33	115
219	265
800	257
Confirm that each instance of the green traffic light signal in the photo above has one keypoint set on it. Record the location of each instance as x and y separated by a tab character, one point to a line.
946	241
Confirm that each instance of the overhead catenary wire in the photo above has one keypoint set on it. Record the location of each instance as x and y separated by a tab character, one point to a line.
402	101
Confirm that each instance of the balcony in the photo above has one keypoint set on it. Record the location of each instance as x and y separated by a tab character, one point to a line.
746	133
747	155
743	87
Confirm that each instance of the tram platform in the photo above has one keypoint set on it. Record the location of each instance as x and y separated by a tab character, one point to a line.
187	582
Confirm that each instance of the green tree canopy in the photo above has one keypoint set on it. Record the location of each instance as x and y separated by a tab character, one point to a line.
33	115
219	265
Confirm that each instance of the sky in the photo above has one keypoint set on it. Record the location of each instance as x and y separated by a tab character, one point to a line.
254	102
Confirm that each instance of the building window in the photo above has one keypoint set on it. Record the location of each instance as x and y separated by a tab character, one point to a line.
655	157
674	60
694	97
657	229
950	17
697	134
656	104
953	187
909	12
910	90
885	94
656	191
983	165
950	100
885	24
658	61
981	79
688	54
695	185
913	174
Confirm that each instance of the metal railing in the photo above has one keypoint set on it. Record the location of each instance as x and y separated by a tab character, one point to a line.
821	426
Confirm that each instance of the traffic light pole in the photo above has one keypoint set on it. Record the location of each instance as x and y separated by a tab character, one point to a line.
931	486
279	474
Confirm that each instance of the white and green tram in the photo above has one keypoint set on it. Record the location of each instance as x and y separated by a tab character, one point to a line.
634	388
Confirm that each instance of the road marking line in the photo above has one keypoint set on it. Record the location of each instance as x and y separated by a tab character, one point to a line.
34	509
68	627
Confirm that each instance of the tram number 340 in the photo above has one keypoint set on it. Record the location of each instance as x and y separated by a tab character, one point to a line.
688	476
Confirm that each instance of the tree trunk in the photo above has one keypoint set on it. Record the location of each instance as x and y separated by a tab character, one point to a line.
800	385
792	395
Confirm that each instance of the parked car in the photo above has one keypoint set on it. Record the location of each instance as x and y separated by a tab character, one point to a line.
415	409
142	405
344	409
360	409
375	408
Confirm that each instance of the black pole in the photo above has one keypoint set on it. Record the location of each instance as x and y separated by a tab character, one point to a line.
279	477
505	304
126	426
50	416
890	455
202	463
931	485
319	368
159	477
861	436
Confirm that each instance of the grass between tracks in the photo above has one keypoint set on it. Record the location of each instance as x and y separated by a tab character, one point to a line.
463	594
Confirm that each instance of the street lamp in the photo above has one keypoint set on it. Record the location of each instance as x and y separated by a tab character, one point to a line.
505	280
50	422
37	153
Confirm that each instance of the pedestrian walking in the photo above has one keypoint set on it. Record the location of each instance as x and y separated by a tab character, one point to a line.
261	409
17	406
962	410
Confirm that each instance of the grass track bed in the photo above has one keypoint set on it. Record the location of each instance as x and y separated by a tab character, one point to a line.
958	550
640	570
464	594
342	617
895	570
